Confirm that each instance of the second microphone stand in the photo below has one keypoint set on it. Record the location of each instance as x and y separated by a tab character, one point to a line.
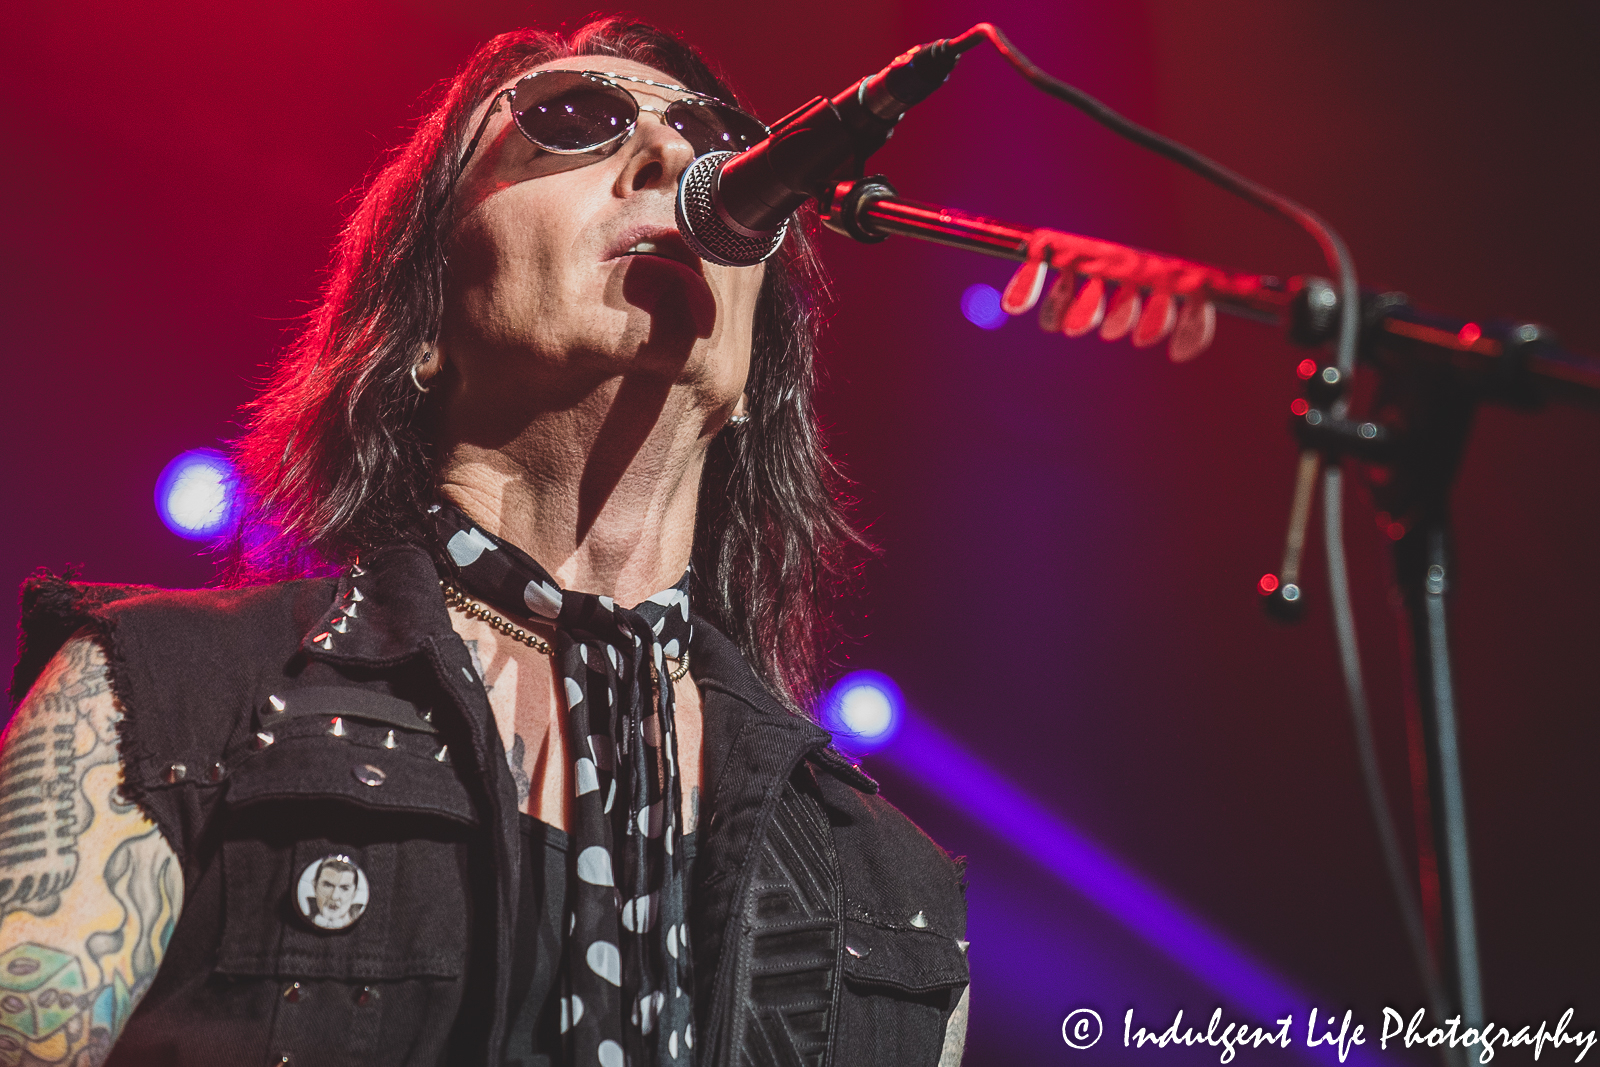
1432	372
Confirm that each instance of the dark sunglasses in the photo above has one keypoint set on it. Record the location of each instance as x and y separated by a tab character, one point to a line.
572	112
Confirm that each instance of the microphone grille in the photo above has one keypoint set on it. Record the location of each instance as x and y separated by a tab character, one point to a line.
705	226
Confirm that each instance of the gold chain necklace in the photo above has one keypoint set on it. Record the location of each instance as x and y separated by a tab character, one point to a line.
472	609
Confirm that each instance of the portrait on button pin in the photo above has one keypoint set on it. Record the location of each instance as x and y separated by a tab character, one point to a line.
332	892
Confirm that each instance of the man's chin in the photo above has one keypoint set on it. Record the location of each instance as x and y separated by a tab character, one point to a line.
677	298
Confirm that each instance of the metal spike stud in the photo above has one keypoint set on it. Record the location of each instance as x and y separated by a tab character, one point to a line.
277	702
355	594
919	920
218	772
358	571
324	640
337	729
339	625
263	739
176	773
389	742
443	754
350	611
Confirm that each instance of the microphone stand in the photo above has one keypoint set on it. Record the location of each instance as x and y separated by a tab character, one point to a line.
1521	361
1432	372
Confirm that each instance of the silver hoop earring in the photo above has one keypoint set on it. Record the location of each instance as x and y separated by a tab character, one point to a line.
414	381
736	421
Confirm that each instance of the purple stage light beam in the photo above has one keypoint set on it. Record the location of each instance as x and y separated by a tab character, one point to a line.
966	783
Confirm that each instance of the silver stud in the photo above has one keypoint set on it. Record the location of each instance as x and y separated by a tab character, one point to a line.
291	993
367	774
443	754
389	742
355	594
426	716
358	571
349	611
282	1061
176	773
365	995
919	920
277	702
263	739
337	729
962	945
340	625
218	772
858	953
324	640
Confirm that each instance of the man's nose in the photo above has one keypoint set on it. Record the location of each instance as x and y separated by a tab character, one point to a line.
657	156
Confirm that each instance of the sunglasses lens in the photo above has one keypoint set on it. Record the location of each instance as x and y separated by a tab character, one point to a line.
714	128
566	112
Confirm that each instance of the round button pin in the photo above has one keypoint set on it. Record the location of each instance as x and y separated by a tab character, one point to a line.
332	893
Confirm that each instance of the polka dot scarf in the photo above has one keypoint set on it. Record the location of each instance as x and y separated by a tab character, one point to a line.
625	977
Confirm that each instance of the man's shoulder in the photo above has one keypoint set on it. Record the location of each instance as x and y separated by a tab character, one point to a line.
869	824
215	605
64	597
131	619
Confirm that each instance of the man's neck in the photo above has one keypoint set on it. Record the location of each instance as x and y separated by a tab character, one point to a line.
602	493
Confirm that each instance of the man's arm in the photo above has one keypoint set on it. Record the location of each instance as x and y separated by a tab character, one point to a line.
89	889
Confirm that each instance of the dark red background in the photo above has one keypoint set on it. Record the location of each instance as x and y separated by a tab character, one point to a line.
1072	529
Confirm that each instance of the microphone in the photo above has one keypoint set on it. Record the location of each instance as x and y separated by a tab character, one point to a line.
733	208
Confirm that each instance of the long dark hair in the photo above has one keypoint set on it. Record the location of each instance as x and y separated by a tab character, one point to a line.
335	458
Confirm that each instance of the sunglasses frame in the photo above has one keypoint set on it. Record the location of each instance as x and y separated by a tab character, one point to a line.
609	79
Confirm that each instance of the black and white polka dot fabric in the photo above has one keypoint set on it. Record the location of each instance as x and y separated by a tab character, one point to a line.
626	979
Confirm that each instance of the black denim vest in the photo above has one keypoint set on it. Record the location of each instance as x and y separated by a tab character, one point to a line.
803	895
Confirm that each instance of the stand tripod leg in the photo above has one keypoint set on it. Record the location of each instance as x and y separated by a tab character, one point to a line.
1423	568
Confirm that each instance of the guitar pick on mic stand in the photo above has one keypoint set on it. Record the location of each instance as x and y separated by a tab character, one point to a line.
1431	372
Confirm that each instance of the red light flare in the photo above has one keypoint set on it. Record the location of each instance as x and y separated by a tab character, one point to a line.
1469	335
1300	407
1306	369
1267	584
1391	529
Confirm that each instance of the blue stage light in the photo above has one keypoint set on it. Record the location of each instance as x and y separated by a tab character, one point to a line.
981	305
194	495
969	785
863	710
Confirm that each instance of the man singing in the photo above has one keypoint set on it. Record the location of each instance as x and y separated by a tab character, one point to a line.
526	611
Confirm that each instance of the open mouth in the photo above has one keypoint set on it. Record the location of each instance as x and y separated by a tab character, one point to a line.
666	245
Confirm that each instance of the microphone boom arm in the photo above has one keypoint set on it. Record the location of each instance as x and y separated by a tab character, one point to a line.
1513	357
